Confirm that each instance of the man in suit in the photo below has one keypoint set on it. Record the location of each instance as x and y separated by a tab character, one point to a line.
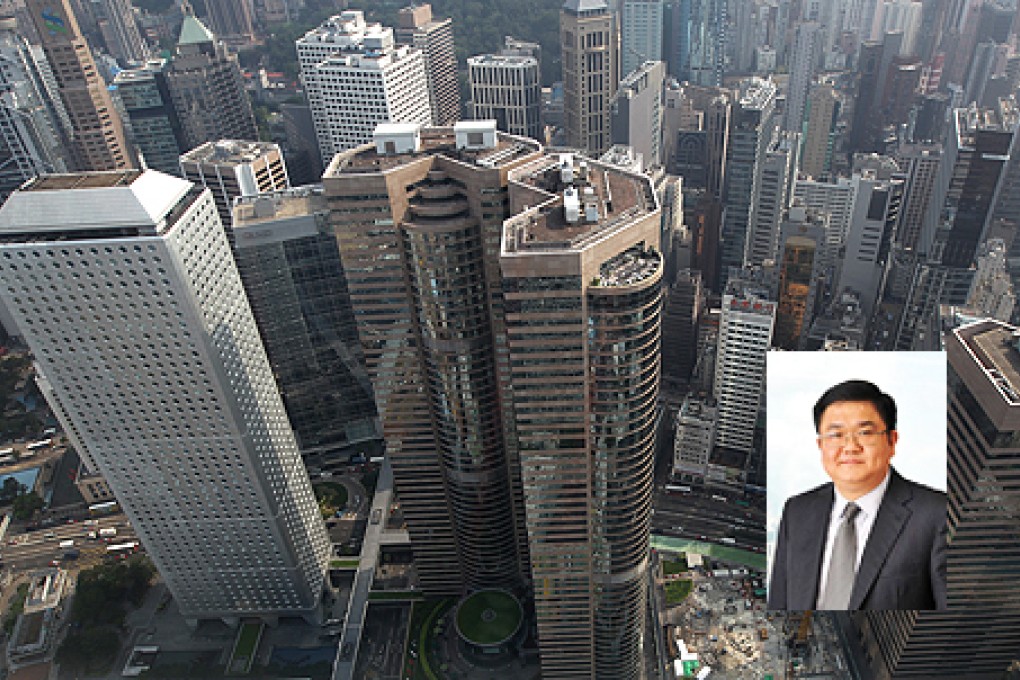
870	539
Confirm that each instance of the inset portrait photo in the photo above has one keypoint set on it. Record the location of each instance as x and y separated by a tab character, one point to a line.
856	457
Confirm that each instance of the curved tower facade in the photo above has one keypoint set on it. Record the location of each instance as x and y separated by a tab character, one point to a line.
417	216
581	275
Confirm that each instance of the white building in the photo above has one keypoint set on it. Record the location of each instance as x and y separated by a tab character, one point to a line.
125	290
898	15
770	198
355	77
695	433
640	34
508	90
745	335
837	200
807	45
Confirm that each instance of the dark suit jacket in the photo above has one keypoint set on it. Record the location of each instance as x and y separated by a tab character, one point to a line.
904	561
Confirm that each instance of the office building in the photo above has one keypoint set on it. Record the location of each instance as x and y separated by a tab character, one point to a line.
835	199
584	403
751	133
508	90
822	114
97	139
807	46
233	20
920	163
802	239
289	264
980	631
637	111
866	248
680	315
589	54
356	77
415	216
32	116
116	21
640	34
156	372
991	292
898	15
709	29
232	168
155	129
207	89
771	195
434	37
745	335
694	438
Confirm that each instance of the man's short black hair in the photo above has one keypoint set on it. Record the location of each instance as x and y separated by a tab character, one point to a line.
858	390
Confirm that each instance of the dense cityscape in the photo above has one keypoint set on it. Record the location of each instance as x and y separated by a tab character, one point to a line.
348	340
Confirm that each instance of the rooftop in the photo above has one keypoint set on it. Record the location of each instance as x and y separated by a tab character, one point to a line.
585	6
229	152
629	267
92	200
604	196
194	32
994	346
501	60
263	208
442	141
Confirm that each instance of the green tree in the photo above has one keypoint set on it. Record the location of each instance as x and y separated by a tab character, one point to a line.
90	648
26	504
10	490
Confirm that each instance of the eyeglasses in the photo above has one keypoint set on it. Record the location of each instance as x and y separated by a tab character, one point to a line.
863	437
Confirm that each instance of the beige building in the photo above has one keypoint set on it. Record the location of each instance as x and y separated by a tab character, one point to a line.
581	278
434	37
591	73
234	168
418	215
98	141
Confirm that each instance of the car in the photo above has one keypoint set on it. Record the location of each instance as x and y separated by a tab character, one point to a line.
54	563
331	622
49	534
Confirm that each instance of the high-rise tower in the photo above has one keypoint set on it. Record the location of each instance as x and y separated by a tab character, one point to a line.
507	89
640	33
97	135
154	366
980	631
591	73
417	216
434	37
207	89
583	305
357	77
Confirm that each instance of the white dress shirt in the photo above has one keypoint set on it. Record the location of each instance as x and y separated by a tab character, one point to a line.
869	504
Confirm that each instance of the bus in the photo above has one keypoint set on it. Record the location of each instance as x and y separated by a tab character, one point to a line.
728	540
41	444
122	548
106	508
676	488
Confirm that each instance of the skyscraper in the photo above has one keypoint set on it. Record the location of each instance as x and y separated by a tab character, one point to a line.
155	128
417	217
640	33
807	46
816	151
356	77
637	111
745	335
232	19
751	131
434	37
980	631
120	31
507	89
583	303
289	264
32	117
778	168
97	135
802	238
156	372
590	72
207	89
232	168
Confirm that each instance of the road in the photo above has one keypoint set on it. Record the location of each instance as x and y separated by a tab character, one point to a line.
701	515
36	549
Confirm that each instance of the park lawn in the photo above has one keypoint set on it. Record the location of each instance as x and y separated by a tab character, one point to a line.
677	591
331	497
244	649
673	567
345	564
506	622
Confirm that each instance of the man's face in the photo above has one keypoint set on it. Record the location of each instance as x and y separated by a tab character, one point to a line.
858	463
